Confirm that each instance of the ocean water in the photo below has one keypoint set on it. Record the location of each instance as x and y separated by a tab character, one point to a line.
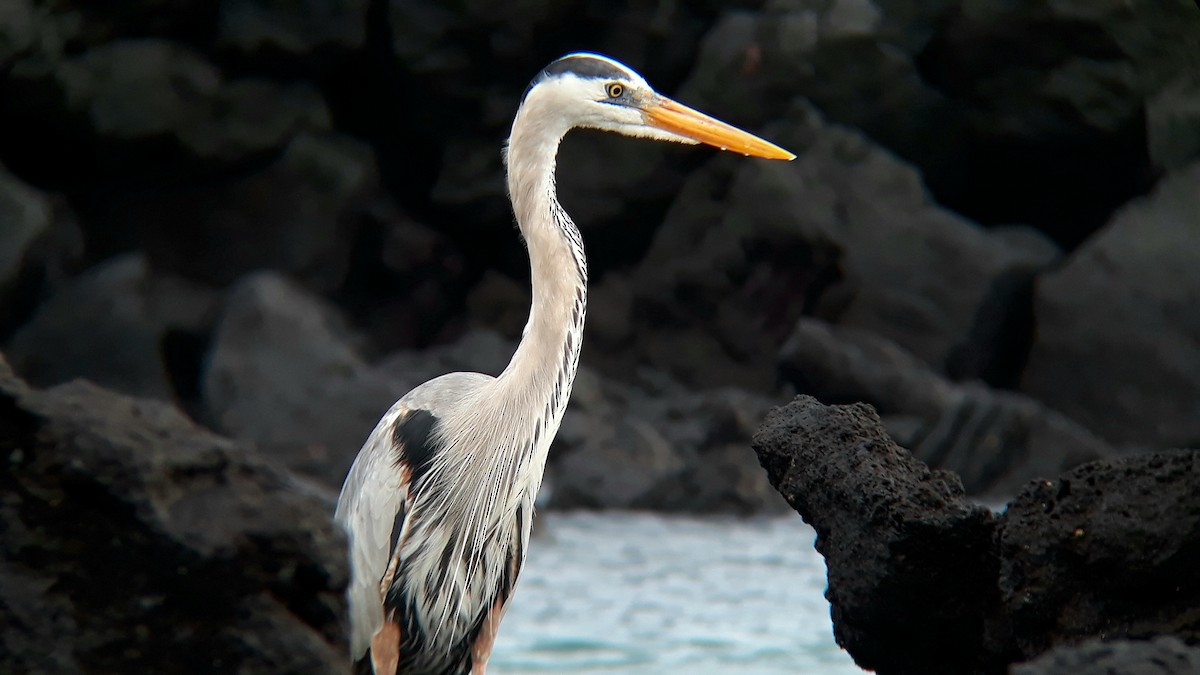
647	594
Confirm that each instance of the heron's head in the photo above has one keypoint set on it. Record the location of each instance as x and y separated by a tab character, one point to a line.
594	91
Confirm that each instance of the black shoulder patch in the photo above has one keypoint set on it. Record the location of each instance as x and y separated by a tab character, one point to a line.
413	436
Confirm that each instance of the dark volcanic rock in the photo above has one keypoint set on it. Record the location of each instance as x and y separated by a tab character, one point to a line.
658	447
479	351
1161	656
70	26
25	216
921	581
39	242
1059	131
299	215
134	541
296	29
211	176
791	48
1173	122
1111	548
846	232
995	441
1052	135
1129	294
284	371
114	325
912	565
17	30
137	91
287	372
406	280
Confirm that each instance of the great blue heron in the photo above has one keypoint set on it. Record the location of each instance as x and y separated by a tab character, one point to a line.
439	503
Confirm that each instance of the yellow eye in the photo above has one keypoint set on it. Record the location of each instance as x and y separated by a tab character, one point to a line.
614	90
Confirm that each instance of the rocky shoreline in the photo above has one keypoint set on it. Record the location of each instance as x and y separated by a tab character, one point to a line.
133	535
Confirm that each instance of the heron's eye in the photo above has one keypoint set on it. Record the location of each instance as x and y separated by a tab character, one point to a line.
614	90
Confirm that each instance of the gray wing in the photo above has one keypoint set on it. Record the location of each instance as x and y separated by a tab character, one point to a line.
374	504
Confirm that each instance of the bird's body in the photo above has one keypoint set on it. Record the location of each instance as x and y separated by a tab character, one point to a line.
438	505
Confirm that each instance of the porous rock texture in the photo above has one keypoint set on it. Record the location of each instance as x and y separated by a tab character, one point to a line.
131	536
922	580
1108	548
910	558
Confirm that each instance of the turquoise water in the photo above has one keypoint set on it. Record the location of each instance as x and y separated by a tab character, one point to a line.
642	594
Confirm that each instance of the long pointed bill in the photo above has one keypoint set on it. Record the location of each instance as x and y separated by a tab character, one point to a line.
680	119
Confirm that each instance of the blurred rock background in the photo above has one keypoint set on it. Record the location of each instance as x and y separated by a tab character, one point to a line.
278	217
267	220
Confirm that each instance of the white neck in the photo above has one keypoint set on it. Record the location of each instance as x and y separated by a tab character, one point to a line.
540	375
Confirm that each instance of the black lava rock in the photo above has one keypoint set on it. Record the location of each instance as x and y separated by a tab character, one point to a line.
1111	548
1161	656
923	581
910	559
136	541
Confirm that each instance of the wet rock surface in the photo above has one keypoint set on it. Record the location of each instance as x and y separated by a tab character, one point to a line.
1103	551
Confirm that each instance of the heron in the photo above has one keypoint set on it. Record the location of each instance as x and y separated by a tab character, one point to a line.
438	504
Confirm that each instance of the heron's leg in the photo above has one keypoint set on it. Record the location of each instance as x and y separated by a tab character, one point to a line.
482	647
385	649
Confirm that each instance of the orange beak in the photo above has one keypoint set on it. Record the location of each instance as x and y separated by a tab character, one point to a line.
680	119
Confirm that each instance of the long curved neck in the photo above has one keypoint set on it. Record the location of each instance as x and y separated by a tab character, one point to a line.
542	370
